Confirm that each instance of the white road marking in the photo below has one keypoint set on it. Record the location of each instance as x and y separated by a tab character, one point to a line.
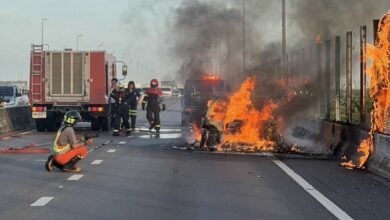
40	160
111	151
122	142
328	204
5	138
96	162
75	177
42	201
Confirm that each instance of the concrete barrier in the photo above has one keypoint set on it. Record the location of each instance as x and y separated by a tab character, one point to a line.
324	137
16	118
379	162
313	136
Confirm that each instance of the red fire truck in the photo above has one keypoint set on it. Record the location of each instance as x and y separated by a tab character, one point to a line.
70	80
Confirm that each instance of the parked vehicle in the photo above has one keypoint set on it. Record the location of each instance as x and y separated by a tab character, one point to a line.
11	96
71	80
176	92
166	91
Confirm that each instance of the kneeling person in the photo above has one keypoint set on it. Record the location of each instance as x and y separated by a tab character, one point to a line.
67	150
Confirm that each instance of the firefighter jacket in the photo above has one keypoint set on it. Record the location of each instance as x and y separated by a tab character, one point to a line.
132	97
153	99
119	95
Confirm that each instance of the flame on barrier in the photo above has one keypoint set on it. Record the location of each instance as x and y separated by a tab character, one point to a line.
379	73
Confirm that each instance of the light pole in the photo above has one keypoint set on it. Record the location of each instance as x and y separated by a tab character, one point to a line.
284	38
77	41
42	20
243	36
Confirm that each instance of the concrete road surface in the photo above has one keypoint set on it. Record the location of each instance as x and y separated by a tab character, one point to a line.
143	177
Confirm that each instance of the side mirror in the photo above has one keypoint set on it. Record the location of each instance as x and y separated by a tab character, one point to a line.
124	70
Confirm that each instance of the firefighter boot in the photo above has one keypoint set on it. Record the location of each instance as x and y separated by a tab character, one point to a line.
71	165
49	163
128	132
115	132
151	127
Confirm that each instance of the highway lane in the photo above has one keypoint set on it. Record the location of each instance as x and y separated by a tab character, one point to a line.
143	177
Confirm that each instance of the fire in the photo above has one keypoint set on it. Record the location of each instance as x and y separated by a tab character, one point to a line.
238	107
196	132
379	55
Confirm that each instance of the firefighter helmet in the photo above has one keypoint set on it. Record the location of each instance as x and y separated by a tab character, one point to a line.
71	118
154	83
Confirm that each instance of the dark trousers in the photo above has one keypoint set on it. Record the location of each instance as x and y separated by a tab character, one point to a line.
122	113
133	116
153	116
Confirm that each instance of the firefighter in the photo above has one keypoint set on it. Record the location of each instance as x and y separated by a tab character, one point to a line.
132	95
67	150
152	100
120	110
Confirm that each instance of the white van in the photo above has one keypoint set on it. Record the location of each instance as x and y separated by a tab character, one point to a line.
166	91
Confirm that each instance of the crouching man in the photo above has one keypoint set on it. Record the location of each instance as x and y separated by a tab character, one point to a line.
67	150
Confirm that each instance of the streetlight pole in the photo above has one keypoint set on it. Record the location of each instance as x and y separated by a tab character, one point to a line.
243	36
42	20
77	41
284	38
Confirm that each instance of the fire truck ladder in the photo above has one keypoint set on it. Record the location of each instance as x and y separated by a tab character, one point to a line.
37	73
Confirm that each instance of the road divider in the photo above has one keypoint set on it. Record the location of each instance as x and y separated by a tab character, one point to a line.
342	140
380	160
15	119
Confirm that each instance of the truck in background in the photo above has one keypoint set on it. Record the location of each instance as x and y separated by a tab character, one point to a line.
197	92
71	80
13	93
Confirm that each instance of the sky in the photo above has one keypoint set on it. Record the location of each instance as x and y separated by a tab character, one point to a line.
141	33
133	30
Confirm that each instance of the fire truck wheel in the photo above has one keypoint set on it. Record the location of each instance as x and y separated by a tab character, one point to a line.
95	124
40	124
105	123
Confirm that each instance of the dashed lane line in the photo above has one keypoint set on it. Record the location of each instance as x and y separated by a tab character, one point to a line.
122	142
96	162
328	204
111	151
42	201
75	177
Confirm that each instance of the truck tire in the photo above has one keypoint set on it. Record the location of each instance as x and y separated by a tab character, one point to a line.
40	124
105	123
95	124
51	124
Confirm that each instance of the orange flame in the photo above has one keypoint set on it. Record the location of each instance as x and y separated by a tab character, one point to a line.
239	107
196	132
379	55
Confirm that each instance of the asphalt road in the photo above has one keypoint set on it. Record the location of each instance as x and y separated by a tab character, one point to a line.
143	177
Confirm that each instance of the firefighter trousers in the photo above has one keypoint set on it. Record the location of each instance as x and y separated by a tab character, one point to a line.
133	116
122	113
64	158
153	116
